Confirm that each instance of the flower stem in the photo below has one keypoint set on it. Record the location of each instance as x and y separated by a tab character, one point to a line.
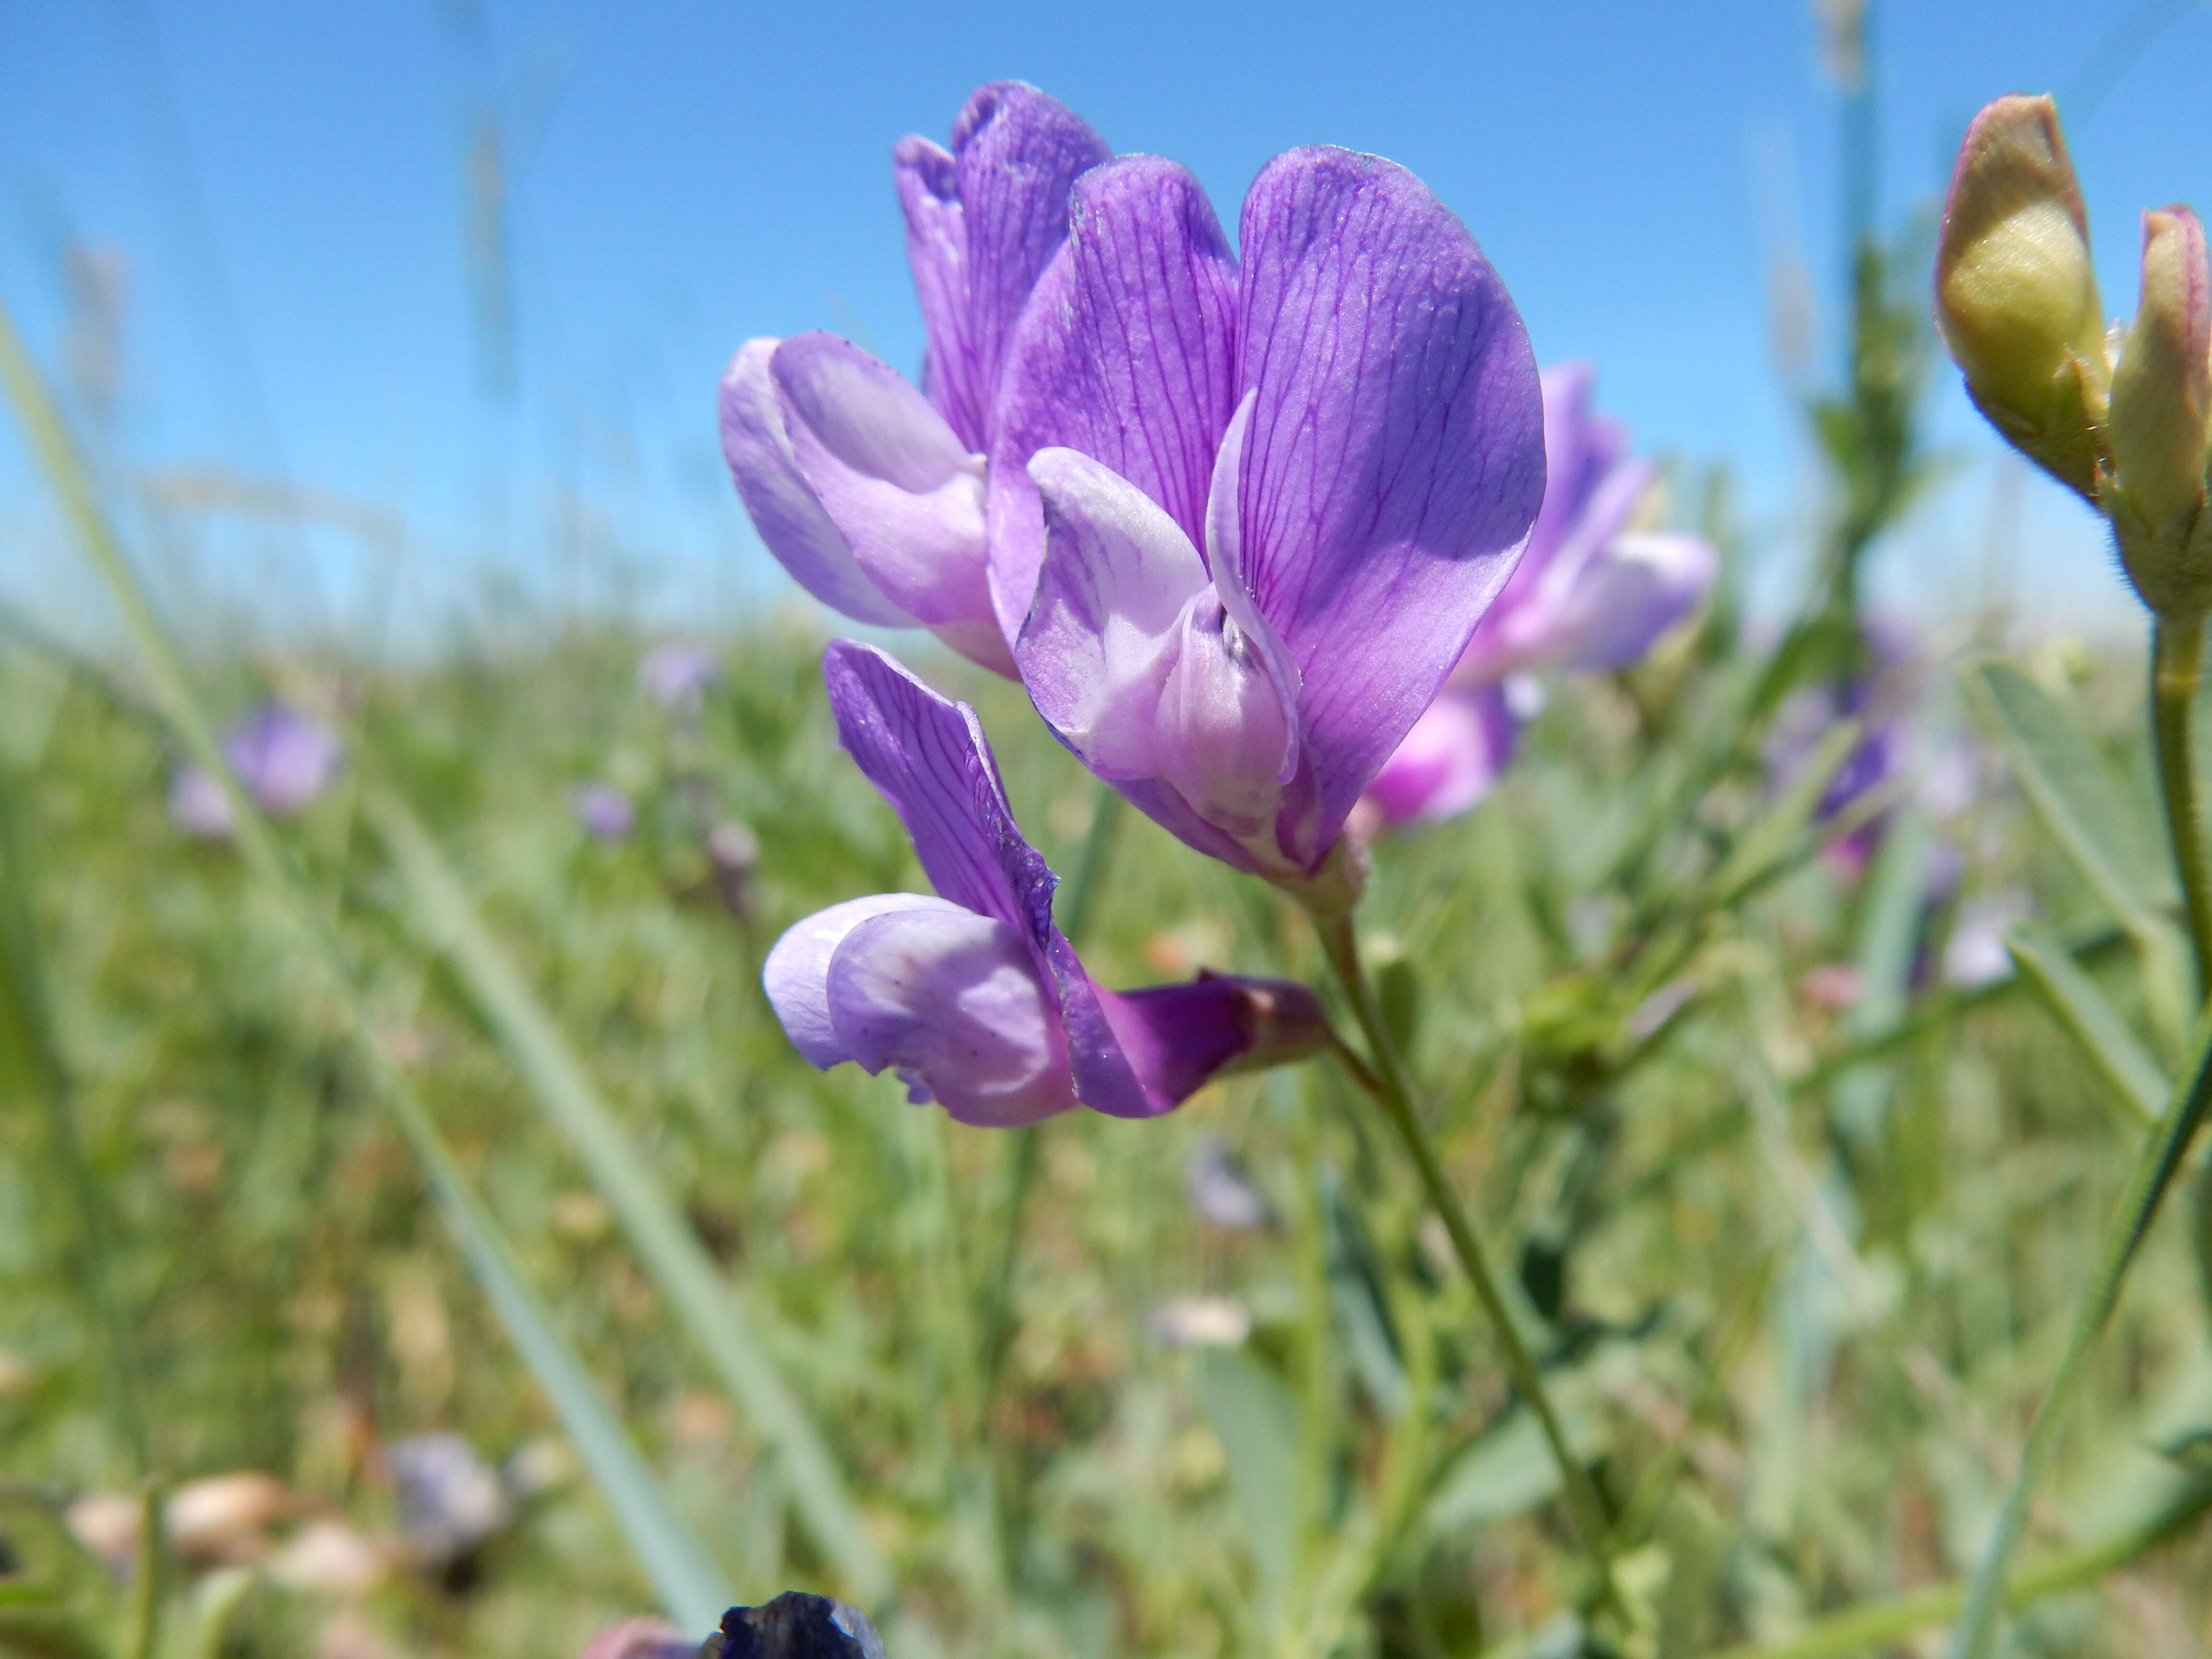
2177	667
2156	1167
1386	1080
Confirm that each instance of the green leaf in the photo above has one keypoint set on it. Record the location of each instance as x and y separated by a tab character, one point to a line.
37	1626
665	1243
1255	1417
2137	1082
2107	828
1508	1470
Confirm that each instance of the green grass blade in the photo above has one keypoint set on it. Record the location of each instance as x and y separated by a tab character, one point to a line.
2138	1083
665	1244
2104	828
688	1585
2163	1151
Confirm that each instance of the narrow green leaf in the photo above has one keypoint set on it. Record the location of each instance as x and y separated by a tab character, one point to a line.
691	1589
2107	829
657	1230
1255	1416
2138	1083
1769	841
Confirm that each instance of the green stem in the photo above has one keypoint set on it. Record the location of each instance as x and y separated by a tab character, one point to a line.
2177	667
1072	915
1386	1080
1882	1625
2156	1167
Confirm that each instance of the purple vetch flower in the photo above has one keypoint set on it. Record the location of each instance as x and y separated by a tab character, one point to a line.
604	810
283	758
869	491
1450	759
676	673
1593	591
1263	506
973	997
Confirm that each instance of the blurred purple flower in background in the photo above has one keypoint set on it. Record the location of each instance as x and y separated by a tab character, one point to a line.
1221	1191
450	1501
282	758
1263	509
641	1638
604	810
870	492
975	997
1592	592
677	672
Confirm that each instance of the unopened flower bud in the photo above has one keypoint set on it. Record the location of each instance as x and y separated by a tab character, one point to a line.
2162	388
2016	295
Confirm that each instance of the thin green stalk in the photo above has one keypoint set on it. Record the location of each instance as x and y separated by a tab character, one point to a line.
2156	1167
1882	1625
2177	668
1072	909
689	1585
1386	1080
667	1249
31	1064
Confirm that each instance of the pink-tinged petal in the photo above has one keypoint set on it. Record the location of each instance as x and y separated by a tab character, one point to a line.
796	975
983	220
1177	1038
1131	657
1520	629
1450	760
902	491
953	1001
783	508
1125	353
1639	586
1396	458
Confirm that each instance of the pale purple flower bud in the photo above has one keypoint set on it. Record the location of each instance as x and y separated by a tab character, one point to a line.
450	1501
974	997
284	759
869	491
676	673
2016	294
1244	517
2161	419
604	810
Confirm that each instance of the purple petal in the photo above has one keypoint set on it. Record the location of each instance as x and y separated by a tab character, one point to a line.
796	975
1126	353
1450	760
1639	586
283	757
902	490
955	1002
790	521
1179	1037
604	810
1131	657
929	759
1395	458
1580	447
1521	628
676	673
983	220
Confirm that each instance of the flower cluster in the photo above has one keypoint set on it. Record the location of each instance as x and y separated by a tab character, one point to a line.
1234	519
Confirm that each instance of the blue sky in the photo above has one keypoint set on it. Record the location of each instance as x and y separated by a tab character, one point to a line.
288	188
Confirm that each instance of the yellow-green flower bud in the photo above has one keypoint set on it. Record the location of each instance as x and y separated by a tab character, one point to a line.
2016	295
2162	421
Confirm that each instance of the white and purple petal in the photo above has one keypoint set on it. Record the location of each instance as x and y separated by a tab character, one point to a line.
1395	461
782	506
796	975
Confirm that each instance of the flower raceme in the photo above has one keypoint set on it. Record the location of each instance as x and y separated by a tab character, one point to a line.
973	997
868	490
1244	518
1593	591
